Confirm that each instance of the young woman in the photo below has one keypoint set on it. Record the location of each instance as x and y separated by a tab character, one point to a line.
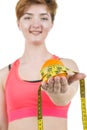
19	82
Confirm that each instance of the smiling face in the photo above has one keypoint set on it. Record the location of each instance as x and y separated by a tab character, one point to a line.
35	23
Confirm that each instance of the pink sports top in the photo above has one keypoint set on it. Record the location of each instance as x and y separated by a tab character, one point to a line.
21	98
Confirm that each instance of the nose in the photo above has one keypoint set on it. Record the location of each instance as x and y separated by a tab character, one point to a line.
36	23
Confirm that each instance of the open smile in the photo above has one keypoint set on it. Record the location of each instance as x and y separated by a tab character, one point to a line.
35	32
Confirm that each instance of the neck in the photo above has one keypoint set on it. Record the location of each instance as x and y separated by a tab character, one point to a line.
35	51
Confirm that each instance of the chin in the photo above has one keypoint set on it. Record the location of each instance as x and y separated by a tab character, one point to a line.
37	42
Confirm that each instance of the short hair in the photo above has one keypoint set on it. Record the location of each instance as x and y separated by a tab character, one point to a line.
23	5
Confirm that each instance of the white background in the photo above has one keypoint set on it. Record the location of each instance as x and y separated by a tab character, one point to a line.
68	39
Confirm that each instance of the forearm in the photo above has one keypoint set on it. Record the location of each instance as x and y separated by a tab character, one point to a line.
3	128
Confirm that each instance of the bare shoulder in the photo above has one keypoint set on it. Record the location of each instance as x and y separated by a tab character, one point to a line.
71	64
3	111
3	75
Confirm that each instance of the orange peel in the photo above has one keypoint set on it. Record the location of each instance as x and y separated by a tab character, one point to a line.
52	68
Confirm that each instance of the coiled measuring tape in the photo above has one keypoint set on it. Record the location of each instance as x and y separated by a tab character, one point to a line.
51	70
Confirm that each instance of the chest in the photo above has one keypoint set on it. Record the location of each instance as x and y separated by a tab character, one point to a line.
30	72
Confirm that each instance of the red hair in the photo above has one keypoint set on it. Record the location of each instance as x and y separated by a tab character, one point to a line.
23	5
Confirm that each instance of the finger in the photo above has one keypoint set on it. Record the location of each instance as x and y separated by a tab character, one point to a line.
50	85
64	84
57	85
51	82
44	85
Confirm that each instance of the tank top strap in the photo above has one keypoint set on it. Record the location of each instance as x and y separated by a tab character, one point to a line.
56	57
15	64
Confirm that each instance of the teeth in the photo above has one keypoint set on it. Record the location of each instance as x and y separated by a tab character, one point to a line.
36	33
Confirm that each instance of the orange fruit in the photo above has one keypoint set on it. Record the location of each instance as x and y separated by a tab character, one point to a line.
52	68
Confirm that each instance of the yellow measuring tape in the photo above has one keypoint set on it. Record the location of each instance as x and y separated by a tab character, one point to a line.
83	104
59	69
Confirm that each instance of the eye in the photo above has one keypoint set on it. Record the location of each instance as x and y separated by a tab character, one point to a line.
44	19
27	18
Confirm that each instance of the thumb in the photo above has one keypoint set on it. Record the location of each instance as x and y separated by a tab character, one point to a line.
75	77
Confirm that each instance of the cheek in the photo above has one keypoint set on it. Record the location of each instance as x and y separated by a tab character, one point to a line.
24	30
24	26
47	27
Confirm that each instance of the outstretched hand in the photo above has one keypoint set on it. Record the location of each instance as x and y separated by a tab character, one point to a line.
59	84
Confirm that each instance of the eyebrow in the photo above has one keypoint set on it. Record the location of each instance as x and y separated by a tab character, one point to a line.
42	14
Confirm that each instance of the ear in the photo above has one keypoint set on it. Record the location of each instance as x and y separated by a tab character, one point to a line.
52	25
18	24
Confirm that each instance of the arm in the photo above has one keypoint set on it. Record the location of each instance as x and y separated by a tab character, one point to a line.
3	113
62	89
